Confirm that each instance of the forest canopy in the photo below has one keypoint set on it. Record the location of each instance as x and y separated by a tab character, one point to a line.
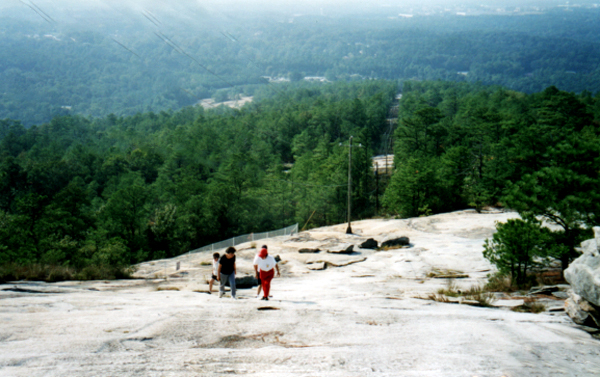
118	190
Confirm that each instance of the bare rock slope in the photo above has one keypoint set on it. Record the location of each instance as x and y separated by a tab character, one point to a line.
358	316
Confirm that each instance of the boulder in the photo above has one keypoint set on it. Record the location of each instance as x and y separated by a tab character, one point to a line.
309	251
369	244
402	241
582	312
584	272
245	282
561	295
346	263
317	266
346	250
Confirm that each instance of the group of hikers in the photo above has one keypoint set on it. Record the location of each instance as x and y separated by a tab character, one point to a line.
224	270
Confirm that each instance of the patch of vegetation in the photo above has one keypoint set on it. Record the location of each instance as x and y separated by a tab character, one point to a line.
54	273
446	274
503	282
530	306
499	282
451	289
516	247
393	247
434	297
167	289
484	299
474	293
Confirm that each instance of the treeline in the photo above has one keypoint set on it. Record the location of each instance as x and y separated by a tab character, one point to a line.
457	145
115	191
123	64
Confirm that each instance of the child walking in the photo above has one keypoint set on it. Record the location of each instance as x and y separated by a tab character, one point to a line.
215	271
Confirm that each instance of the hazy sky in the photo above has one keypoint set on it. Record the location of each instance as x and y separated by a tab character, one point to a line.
271	4
80	11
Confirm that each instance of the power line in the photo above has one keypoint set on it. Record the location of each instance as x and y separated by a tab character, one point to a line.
40	9
122	45
151	18
39	13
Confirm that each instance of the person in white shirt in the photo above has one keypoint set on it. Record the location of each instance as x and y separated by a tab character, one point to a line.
215	271
265	266
259	289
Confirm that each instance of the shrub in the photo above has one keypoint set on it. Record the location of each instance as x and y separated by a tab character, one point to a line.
499	282
515	245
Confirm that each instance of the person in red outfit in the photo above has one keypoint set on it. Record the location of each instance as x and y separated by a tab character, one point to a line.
265	266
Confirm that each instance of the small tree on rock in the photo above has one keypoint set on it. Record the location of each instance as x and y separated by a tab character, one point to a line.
515	247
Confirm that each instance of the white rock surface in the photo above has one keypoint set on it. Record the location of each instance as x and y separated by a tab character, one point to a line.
584	272
358	320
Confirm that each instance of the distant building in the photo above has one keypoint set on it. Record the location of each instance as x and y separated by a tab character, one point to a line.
316	78
383	164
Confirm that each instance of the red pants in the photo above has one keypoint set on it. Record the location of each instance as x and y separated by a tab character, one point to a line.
265	279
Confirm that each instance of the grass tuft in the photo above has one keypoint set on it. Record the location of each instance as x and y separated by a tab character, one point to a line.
167	289
446	274
474	293
500	283
451	289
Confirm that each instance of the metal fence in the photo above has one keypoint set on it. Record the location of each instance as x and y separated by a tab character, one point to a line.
290	230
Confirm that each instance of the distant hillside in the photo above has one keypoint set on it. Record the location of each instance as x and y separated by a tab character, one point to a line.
124	62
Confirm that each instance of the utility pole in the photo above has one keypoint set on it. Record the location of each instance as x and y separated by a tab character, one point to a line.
377	188
349	229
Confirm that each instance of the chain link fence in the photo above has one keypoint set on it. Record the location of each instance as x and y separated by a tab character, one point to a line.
290	230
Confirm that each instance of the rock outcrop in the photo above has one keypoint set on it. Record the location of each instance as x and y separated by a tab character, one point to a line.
583	305
345	249
320	265
309	251
402	241
369	244
245	282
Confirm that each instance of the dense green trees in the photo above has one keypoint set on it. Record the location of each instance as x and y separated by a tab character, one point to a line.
460	145
118	190
559	173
